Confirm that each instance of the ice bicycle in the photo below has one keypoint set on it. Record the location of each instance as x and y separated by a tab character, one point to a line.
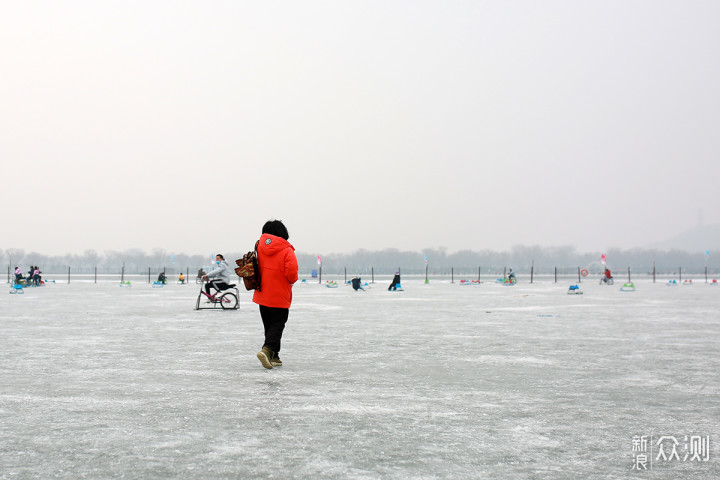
227	299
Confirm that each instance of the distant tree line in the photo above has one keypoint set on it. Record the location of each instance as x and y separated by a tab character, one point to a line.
383	262
520	258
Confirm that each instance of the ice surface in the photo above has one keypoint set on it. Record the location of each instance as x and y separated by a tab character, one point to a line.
438	381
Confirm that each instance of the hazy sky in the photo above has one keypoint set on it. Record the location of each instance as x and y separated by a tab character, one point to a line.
364	124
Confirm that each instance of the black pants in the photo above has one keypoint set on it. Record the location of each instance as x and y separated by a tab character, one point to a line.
274	320
216	285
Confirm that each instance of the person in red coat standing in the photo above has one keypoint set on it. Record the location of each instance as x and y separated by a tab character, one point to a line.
278	272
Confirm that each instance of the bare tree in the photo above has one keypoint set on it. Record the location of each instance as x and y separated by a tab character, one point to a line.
15	256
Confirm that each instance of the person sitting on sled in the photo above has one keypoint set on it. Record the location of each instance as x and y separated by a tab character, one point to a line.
18	275
356	284
395	282
218	278
181	278
511	276
162	278
37	275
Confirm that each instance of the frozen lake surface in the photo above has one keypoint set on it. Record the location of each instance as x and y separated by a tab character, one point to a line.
437	381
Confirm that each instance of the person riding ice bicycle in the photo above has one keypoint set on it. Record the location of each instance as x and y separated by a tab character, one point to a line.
607	277
218	278
200	275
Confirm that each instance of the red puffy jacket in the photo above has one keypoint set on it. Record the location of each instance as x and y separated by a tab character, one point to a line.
278	272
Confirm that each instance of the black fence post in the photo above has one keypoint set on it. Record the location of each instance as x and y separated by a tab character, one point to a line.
479	274
372	274
653	272
122	274
629	280
452	275
579	280
68	275
320	275
149	275
345	270
680	274
555	274
532	271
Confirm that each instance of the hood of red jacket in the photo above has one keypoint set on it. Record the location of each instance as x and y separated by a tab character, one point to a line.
271	245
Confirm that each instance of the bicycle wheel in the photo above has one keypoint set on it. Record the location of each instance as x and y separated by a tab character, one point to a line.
228	301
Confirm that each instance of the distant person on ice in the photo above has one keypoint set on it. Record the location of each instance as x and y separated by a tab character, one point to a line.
18	274
356	284
608	275
278	272
37	275
395	282
162	278
218	278
181	278
511	276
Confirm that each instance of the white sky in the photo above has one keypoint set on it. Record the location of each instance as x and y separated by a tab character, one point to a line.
364	124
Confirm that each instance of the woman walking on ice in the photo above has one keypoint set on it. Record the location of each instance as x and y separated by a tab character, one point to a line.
278	272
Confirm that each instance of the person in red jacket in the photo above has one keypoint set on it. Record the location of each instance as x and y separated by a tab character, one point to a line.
278	272
607	277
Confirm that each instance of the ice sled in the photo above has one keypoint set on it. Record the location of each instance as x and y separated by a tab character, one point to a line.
672	283
17	288
125	283
687	282
713	282
158	284
332	284
464	282
628	287
574	290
